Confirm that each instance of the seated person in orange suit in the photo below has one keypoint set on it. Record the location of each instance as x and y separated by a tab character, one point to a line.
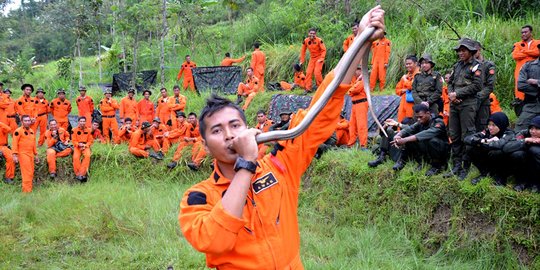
248	89
55	136
126	130
142	141
299	80
82	141
263	124
96	133
193	138
342	131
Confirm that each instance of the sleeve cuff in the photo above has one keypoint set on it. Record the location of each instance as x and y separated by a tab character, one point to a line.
226	220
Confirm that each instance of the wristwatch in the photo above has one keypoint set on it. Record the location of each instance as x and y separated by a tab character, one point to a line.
241	163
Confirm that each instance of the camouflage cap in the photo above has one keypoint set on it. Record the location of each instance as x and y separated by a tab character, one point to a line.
157	120
468	43
7	90
131	90
82	88
428	58
40	90
145	125
107	91
285	112
61	90
180	113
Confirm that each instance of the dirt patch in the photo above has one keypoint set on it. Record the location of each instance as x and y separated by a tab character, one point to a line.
438	228
521	253
478	226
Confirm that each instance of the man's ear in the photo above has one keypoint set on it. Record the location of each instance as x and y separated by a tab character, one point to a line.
205	146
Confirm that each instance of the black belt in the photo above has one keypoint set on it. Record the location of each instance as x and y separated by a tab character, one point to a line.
359	101
108	116
12	116
41	114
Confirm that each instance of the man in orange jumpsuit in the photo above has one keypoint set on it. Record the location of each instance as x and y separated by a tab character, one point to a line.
524	51
317	52
176	134
299	80
128	107
358	126
248	89
380	54
263	124
127	128
146	108
82	141
244	216
404	88
9	116
25	152
60	108
193	138
187	74
445	113
258	64
228	61
54	135
176	103
25	104
97	135
158	130
349	40
162	110
85	104
142	141
6	152
494	106
108	107
41	108
342	131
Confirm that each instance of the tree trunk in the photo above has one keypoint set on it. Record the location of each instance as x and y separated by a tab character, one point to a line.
80	62
347	4
99	58
135	48
163	34
124	55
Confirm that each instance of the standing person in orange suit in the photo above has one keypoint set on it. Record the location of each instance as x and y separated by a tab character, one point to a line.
248	89
158	130
54	135
25	105
128	107
85	104
3	113
41	108
97	135
162	110
60	108
258	64
5	151
82	141
342	131
494	106
9	116
358	126
187	74
404	88
317	54
299	80
380	54
146	108
445	112
349	40
524	51
108	107
142	141
228	61
263	124
25	152
176	103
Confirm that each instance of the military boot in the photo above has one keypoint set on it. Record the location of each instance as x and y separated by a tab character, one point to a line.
400	164
172	165
454	171
380	159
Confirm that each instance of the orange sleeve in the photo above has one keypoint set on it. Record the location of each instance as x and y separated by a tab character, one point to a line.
173	106
134	142
303	52
206	224
238	60
49	139
15	141
75	137
322	47
400	86
180	72
89	139
387	50
346	44
534	51
122	107
517	54
357	88
5	128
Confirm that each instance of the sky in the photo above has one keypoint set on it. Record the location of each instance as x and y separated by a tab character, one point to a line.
14	4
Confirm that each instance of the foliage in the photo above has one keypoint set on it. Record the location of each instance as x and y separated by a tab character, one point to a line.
17	69
63	68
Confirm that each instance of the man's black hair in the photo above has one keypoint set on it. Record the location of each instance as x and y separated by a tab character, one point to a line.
25	116
27	85
128	119
420	108
227	54
215	104
355	23
256	45
176	87
412	57
261	111
52	120
528	26
312	29
162	88
81	117
192	113
297	67
187	55
249	69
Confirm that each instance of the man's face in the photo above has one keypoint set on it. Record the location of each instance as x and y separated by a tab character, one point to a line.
312	34
535	132
180	119
128	123
493	129
355	30
155	124
447	78
423	117
249	72
7	94
26	122
192	119
526	34
164	93
39	95
358	72
131	94
83	93
61	96
82	123
426	66
464	54
95	126
221	128
146	95
261	118
410	65
108	96
176	91
53	125
188	59
285	117
27	91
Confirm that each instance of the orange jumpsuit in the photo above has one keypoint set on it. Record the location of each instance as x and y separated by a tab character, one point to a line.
6	152
267	235
258	64
494	106
128	108
146	111
317	51
63	136
82	136
139	141
186	72
405	83
157	133
108	110
24	145
175	135
9	114
60	111
227	61
97	136
25	106
348	42
250	88
342	132
197	151
299	80
86	107
446	106
176	104
125	133
41	108
380	50
522	53
358	126
162	110
264	127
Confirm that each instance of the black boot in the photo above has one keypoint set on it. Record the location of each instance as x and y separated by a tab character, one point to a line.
400	164
454	171
239	100
379	160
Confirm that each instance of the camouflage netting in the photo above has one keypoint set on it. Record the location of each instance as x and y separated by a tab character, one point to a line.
217	79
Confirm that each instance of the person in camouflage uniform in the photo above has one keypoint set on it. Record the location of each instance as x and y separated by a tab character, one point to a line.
463	86
427	85
529	83
488	83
